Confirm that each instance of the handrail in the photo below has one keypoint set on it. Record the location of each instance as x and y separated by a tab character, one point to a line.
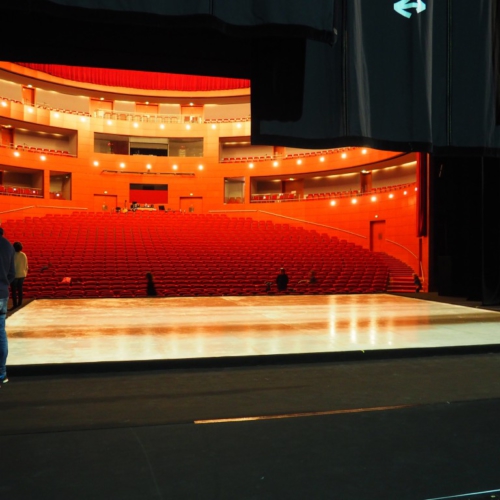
62	208
230	211
18	209
402	246
315	224
140	116
341	194
421	268
294	219
42	206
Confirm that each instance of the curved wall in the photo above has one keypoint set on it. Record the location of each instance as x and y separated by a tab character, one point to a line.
202	179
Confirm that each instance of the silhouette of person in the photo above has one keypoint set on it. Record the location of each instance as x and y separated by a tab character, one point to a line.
312	280
150	287
282	280
418	283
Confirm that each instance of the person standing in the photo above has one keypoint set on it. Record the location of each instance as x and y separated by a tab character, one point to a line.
150	287
417	282
7	275
21	267
282	280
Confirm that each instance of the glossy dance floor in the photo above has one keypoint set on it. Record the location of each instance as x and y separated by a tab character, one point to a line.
98	330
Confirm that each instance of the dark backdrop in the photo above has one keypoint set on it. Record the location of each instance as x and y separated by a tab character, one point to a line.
465	208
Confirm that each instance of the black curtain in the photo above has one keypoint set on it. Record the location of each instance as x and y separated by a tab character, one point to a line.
418	83
491	231
465	255
352	72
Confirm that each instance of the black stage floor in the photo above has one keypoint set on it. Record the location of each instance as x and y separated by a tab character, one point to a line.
409	428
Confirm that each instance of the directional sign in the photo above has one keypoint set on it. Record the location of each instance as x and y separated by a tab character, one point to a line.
403	6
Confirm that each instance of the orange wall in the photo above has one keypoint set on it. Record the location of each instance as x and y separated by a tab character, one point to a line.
347	221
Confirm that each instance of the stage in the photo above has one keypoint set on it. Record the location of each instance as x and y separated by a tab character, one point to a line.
73	331
91	412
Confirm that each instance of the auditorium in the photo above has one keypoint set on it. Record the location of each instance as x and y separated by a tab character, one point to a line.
162	166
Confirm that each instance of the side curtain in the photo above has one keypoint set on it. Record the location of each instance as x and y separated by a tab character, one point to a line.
424	81
297	18
422	193
490	231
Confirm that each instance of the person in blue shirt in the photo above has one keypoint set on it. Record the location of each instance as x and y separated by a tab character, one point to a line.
7	275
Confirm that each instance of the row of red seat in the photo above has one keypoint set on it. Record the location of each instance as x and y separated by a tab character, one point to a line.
204	255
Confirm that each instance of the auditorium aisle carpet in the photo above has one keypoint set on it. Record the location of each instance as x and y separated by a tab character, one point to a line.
414	422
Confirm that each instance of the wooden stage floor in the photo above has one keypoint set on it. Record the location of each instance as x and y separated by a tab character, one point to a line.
116	330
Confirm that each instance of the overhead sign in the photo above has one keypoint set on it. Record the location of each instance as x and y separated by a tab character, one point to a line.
403	7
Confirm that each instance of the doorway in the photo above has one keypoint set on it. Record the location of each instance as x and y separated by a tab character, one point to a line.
377	236
191	204
104	203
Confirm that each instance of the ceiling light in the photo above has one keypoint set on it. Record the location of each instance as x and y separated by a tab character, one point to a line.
322	158
96	164
175	167
374	198
363	151
333	203
200	167
275	163
354	201
250	165
344	155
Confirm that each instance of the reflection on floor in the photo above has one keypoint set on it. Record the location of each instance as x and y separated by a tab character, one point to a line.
95	330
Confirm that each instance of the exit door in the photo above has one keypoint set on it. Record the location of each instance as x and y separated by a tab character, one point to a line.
377	236
191	204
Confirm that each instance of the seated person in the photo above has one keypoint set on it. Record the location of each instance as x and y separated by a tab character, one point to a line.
312	280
